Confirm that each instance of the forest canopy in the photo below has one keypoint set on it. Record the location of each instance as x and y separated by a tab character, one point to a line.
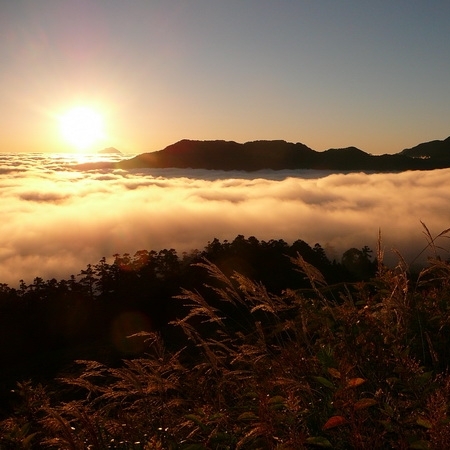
246	344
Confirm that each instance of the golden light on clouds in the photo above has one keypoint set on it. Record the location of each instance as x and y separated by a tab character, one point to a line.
56	220
82	127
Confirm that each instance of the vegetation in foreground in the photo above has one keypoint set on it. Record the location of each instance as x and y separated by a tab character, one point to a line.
361	365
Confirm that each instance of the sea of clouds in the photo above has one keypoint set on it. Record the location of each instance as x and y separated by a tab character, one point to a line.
55	219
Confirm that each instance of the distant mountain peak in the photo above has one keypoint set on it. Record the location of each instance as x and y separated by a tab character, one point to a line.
110	150
347	150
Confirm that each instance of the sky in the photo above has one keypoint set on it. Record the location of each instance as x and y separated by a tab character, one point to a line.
56	220
327	73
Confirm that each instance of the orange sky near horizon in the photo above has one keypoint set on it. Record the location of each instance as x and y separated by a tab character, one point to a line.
374	76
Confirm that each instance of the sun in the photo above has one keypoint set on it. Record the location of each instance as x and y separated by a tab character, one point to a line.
82	127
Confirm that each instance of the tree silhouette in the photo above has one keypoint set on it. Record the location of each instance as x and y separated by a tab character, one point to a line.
358	263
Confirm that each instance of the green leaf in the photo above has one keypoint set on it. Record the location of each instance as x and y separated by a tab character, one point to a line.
319	442
325	356
217	416
197	421
277	402
420	445
324	382
424	378
277	399
25	429
248	415
26	443
387	425
251	394
221	437
424	422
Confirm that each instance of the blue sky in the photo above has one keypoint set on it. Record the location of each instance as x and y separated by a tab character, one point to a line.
326	73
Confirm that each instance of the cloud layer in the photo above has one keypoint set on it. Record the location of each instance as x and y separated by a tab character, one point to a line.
56	220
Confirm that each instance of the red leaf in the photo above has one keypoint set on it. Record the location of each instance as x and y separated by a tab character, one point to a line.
334	421
334	373
364	403
353	382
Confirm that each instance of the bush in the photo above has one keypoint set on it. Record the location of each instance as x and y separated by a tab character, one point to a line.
305	368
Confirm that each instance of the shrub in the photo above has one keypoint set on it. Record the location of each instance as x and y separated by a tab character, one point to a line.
306	368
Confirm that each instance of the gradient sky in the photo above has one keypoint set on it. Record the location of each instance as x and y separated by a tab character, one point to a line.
373	74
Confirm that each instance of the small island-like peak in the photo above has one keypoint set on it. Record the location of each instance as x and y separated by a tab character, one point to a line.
110	150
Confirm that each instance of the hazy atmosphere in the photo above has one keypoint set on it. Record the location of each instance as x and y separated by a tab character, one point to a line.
325	73
55	221
138	76
195	198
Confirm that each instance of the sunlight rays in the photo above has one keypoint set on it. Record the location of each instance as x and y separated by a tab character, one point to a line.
82	127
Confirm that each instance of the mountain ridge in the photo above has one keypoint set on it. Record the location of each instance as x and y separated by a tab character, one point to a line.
279	154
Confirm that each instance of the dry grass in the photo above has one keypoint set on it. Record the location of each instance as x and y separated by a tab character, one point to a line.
302	369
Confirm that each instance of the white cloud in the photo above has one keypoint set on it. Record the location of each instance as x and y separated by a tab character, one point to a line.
55	221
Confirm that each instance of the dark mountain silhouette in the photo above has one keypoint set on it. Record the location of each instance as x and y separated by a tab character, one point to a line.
278	155
227	155
435	150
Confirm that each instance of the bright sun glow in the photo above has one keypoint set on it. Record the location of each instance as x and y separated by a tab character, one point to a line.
82	127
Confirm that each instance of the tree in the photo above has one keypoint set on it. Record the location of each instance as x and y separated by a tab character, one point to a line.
358	263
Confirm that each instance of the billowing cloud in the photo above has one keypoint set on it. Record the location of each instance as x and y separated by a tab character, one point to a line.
56	220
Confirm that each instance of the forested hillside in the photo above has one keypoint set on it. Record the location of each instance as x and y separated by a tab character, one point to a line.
246	344
61	319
